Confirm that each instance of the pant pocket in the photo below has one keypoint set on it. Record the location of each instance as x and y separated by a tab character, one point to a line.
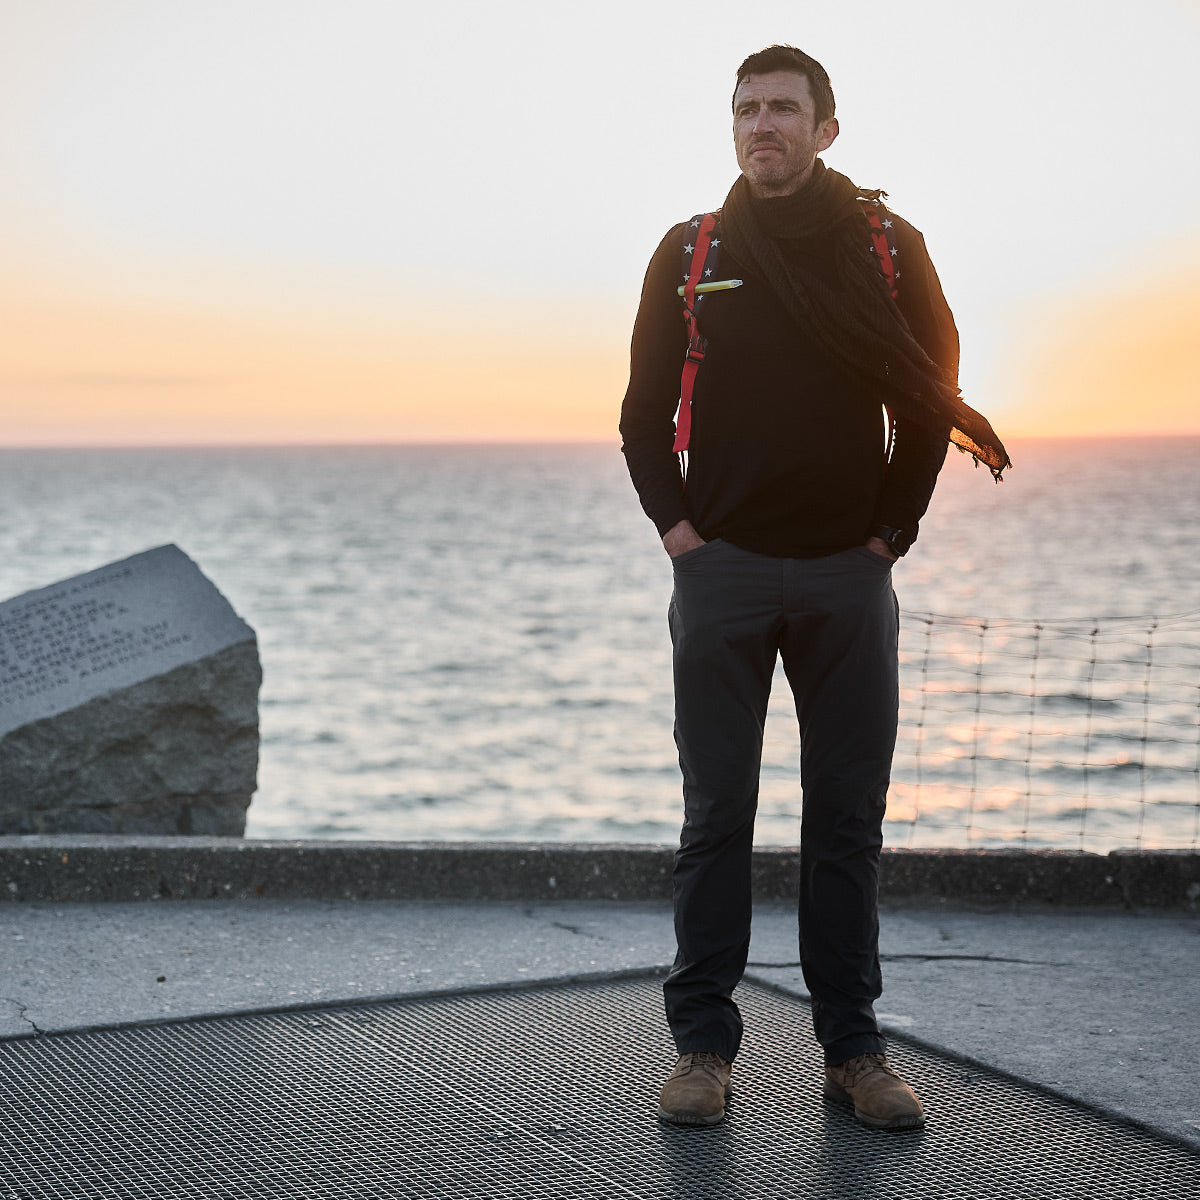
691	556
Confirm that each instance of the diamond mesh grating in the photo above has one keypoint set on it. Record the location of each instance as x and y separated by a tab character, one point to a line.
526	1093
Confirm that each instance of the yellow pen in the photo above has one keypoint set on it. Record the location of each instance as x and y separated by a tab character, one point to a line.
718	285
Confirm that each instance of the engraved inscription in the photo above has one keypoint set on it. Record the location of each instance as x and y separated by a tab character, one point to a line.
104	630
62	639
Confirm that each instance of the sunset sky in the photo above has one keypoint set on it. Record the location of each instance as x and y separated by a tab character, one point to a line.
304	221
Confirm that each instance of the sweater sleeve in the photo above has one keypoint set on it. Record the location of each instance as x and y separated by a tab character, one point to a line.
648	411
917	453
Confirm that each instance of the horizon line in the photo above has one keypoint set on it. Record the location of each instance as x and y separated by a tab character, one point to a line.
398	443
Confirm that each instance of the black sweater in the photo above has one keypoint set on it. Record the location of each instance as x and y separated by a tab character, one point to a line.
785	459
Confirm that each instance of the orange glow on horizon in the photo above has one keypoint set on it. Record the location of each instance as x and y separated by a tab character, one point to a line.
1121	365
83	374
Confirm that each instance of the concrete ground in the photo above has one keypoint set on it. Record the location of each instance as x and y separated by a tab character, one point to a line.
1099	1005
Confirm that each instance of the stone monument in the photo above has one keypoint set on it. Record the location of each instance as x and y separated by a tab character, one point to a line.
128	704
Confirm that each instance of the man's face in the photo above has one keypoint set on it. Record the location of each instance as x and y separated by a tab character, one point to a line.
775	133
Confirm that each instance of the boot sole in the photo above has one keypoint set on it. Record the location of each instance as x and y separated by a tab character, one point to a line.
897	1124
686	1118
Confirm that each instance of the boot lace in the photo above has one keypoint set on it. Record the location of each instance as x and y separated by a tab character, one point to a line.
866	1064
704	1059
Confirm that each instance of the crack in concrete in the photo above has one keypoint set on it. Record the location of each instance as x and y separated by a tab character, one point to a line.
575	929
996	958
990	958
22	1013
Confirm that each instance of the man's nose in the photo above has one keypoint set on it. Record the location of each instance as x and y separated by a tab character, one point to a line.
762	121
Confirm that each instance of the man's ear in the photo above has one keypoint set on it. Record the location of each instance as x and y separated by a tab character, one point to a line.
826	134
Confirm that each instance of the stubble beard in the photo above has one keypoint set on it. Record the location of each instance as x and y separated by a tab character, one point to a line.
775	179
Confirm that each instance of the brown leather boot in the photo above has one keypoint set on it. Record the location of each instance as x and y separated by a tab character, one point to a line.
880	1097
695	1091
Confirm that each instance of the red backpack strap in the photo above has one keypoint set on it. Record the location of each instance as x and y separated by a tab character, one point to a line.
881	240
699	260
885	250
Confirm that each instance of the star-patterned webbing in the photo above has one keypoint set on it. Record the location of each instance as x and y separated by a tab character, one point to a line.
885	250
699	261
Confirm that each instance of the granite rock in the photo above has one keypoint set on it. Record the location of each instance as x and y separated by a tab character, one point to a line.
128	704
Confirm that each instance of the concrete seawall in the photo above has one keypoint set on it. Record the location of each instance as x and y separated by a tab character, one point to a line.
92	869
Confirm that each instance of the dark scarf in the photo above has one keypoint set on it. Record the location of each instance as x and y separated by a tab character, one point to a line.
858	323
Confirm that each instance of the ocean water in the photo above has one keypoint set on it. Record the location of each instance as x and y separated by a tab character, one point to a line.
465	642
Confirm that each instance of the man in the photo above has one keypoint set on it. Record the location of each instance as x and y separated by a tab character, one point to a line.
782	543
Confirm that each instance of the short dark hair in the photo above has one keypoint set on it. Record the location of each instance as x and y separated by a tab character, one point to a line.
788	58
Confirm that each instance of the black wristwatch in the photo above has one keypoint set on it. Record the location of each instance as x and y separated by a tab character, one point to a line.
898	540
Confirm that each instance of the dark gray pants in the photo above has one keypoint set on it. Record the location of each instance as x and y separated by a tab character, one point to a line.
834	620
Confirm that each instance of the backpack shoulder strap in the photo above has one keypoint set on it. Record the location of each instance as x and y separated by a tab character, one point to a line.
885	250
881	238
700	250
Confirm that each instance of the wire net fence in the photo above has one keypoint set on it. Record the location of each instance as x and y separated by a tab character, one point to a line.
1079	734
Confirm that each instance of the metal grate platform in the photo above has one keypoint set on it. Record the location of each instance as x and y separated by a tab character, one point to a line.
538	1093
